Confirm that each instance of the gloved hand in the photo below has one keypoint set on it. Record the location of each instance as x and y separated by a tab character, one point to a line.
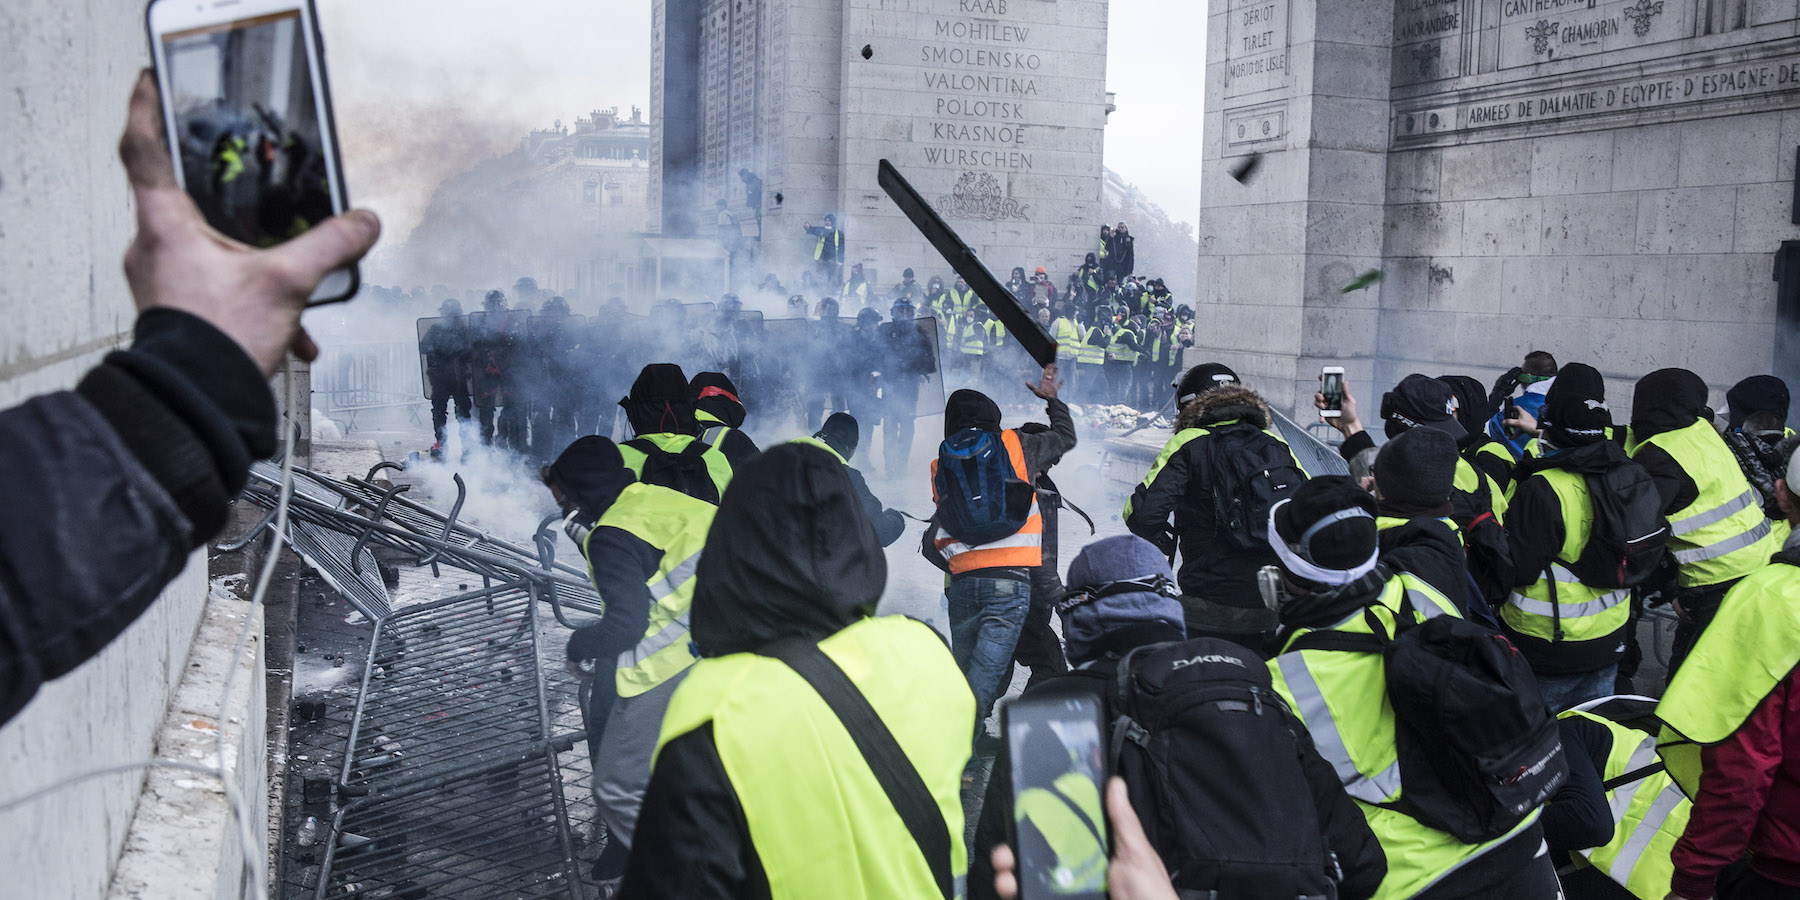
1504	387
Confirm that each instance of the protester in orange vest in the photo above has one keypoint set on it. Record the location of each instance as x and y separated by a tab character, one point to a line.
982	484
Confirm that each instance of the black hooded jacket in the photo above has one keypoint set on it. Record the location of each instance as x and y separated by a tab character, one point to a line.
789	554
1666	400
591	475
1473	413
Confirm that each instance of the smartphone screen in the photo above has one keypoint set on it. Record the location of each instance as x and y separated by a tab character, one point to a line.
1331	384
1058	780
247	121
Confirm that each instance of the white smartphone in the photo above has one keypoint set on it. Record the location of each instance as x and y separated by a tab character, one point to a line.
247	113
1331	384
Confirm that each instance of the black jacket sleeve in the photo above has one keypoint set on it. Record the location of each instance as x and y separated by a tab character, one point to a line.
1346	831
121	479
1043	449
1152	505
1534	529
1578	817
621	563
692	839
1355	444
889	524
1677	489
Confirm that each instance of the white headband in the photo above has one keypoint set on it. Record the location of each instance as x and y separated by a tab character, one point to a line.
1310	571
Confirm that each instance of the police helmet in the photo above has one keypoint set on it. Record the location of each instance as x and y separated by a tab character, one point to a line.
450	308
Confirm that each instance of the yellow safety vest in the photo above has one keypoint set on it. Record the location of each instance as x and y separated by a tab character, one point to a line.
1092	351
1118	351
1342	699
1068	338
1723	534
861	289
820	822
1648	814
996	333
1067	814
1752	645
836	237
716	464
1588	613
962	301
676	524
1470	480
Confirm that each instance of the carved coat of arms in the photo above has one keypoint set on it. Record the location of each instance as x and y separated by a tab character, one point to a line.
1641	15
1540	35
978	195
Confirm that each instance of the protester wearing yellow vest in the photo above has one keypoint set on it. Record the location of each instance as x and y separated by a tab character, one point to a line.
661	414
643	545
1067	334
1613	824
1325	538
1413	480
989	586
1090	362
759	788
720	415
1732	739
1572	633
1718	532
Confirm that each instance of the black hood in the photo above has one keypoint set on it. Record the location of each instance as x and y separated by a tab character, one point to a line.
1666	400
1471	407
790	554
590	473
1090	261
1758	393
970	409
714	393
659	402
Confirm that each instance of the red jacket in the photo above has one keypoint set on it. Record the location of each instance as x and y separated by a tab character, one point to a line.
1749	799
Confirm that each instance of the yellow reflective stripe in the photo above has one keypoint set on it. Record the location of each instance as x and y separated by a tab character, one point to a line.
1729	545
1430	606
1592	607
669	634
663	588
1377	788
1664	804
715	434
1717	514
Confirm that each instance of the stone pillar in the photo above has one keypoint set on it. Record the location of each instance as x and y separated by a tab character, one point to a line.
1301	86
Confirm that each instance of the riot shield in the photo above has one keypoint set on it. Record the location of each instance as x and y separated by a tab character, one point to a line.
912	351
1314	455
441	337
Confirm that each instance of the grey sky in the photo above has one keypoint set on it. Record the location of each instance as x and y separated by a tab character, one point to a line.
426	88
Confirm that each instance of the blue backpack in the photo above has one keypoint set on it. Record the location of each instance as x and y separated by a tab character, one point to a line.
980	498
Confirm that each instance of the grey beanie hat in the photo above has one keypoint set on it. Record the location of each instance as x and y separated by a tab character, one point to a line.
1086	622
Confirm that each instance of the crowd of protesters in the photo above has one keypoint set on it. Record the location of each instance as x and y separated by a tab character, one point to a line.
1404	682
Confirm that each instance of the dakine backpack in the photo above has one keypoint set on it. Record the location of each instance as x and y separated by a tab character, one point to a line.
1212	757
1248	473
981	499
685	471
1478	747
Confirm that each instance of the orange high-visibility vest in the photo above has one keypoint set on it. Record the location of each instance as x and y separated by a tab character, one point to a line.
1024	547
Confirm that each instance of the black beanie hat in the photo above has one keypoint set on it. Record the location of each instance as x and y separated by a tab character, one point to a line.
1417	469
1575	411
1342	545
970	409
1420	401
1758	393
1203	378
840	433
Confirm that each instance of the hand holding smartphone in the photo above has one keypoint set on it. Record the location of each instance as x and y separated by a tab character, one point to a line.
1059	771
1331	385
247	113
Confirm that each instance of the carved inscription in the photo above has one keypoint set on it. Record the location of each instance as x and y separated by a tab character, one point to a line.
1613	96
1427	40
1256	50
1538	31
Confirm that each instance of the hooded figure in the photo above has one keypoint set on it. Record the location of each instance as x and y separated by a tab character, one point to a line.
666	451
720	415
659	402
1495	458
750	747
1177	505
1765	394
1758	408
839	436
1415	476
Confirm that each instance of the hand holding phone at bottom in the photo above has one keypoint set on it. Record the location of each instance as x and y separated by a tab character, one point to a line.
178	261
1136	873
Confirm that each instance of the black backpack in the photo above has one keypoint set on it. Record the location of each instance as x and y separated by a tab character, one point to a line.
1484	541
685	471
981	499
1212	756
1478	747
1248	473
1629	533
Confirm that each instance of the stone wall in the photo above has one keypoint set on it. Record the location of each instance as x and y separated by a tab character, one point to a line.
1608	181
65	219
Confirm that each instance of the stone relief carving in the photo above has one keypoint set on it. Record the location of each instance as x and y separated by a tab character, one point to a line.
1540	35
1642	14
1426	55
978	195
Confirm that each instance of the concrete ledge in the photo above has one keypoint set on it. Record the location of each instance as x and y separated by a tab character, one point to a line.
185	841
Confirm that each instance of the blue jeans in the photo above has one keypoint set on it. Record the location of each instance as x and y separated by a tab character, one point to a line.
1564	691
986	615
